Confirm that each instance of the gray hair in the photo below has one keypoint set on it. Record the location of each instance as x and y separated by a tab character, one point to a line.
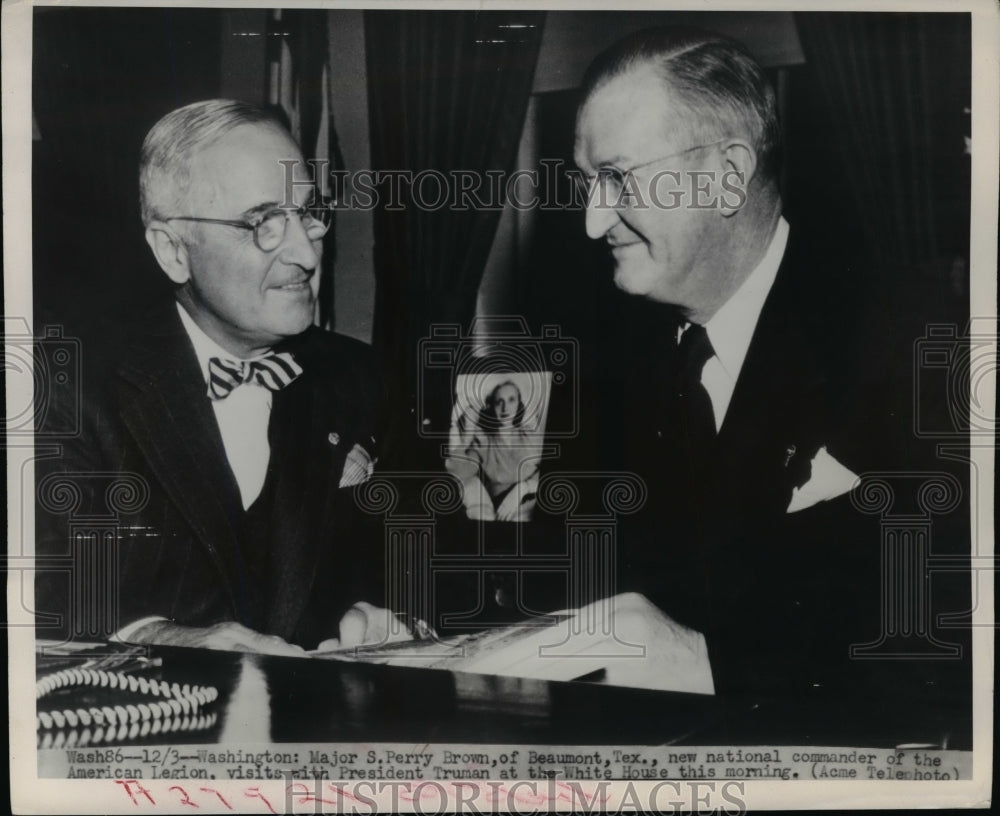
714	79
165	159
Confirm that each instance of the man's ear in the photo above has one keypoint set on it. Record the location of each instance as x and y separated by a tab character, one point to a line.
170	252
739	166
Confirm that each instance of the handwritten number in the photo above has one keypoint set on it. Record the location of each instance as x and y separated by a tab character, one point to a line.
213	790
185	800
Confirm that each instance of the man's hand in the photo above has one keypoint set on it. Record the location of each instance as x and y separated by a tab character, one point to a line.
654	650
363	625
227	637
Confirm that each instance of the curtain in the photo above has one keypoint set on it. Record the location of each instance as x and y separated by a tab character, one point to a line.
448	92
899	89
298	82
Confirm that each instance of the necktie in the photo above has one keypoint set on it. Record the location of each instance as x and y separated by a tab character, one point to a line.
273	372
694	350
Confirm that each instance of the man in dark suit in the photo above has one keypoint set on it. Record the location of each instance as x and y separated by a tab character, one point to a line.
240	423
744	433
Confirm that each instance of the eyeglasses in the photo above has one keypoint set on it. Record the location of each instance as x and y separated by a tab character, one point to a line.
269	228
612	180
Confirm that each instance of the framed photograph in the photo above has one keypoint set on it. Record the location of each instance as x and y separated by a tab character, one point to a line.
497	436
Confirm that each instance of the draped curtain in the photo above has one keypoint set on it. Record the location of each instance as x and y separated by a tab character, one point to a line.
448	92
298	82
898	86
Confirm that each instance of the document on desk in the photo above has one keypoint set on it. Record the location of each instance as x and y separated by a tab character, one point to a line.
609	642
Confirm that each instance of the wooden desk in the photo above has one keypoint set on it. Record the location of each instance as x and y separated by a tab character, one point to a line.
296	700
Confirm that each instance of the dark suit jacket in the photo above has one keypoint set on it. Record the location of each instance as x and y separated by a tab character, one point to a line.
781	597
144	412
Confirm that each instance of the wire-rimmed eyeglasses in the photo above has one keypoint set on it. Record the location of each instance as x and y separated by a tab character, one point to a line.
269	227
613	180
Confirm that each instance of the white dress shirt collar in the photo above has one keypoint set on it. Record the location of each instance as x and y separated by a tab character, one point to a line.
731	331
731	328
242	417
204	346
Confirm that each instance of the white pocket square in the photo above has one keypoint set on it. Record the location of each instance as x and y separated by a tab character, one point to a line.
358	467
828	479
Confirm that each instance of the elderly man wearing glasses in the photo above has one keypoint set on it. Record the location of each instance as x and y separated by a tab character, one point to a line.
244	423
747	446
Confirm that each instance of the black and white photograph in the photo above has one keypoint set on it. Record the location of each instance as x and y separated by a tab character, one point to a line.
500	407
497	441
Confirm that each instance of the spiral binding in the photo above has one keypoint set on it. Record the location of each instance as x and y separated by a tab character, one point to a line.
81	738
177	710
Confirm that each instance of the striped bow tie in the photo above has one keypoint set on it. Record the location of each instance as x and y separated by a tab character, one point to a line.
272	372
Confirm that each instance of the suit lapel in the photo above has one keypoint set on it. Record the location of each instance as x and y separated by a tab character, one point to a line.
780	388
165	409
306	472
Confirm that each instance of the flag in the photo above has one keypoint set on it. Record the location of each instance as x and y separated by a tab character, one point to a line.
298	83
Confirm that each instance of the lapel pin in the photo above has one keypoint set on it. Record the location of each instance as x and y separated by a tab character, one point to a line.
789	453
333	438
